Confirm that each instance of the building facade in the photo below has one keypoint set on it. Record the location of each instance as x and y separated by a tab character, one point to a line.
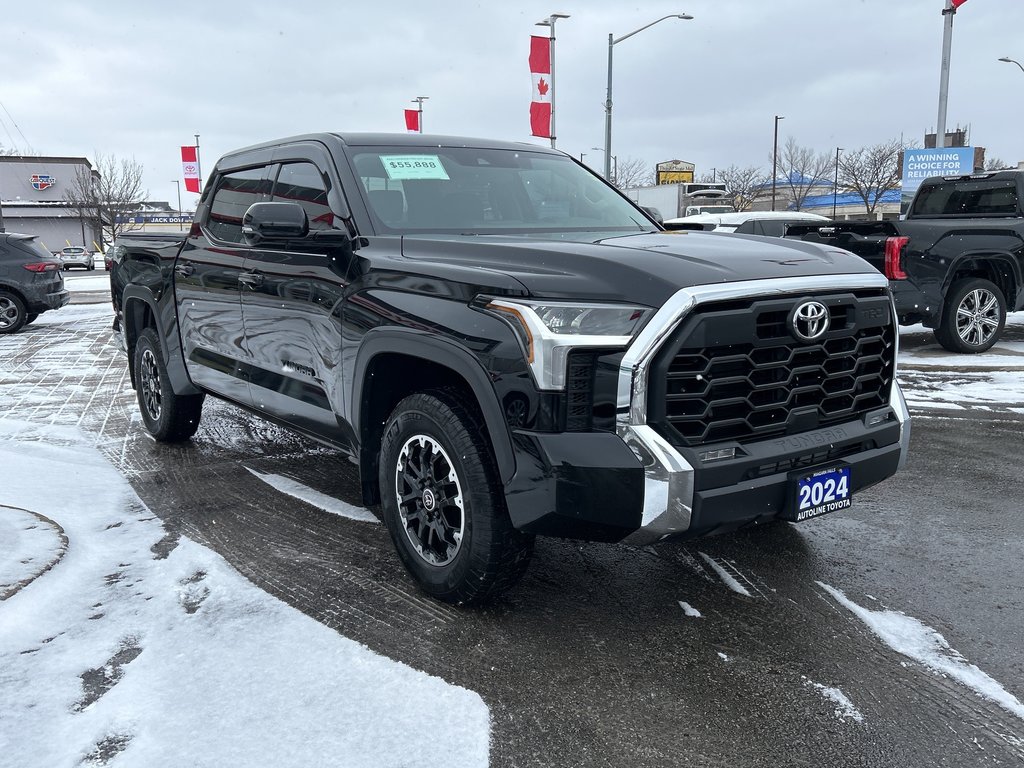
32	192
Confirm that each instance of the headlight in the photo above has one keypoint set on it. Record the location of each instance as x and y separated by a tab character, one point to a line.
551	329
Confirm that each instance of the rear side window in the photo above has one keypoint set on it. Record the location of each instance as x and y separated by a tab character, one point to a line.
303	183
32	247
236	191
967	198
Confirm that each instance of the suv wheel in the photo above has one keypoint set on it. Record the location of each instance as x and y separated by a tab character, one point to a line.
443	502
12	312
973	316
170	418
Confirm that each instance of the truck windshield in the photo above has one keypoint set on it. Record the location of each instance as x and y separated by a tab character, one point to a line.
956	197
465	190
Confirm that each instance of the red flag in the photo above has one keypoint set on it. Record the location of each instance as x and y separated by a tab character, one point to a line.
190	167
958	3
540	68
412	120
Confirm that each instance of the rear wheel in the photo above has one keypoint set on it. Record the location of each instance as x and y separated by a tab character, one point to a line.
443	502
973	316
31	318
12	312
170	418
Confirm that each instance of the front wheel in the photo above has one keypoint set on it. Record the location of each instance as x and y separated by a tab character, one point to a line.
31	318
973	316
443	502
170	418
12	312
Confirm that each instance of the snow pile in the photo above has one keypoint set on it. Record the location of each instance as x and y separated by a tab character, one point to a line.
315	498
689	610
917	641
28	546
117	656
727	578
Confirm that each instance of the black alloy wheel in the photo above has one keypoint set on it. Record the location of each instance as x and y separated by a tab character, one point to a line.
443	501
169	417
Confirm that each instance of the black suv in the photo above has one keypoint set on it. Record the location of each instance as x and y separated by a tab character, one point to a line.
30	281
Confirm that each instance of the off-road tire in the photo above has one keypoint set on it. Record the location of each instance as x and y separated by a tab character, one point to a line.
170	418
491	555
12	312
972	317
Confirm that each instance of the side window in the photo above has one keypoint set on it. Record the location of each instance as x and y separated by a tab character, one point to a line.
303	183
747	228
236	191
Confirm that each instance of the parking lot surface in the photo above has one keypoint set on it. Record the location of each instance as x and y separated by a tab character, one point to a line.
884	635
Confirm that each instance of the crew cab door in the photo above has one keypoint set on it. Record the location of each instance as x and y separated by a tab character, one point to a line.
291	302
206	286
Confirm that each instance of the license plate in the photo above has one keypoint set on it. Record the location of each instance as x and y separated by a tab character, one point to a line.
820	492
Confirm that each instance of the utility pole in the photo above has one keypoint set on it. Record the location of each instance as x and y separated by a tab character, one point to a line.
835	187
550	22
199	166
180	227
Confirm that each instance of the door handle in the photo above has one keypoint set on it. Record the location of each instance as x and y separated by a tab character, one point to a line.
186	269
251	279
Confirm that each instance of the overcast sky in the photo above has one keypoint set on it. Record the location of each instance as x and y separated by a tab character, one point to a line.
139	79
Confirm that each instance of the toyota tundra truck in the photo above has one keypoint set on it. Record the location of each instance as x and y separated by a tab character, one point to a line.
508	347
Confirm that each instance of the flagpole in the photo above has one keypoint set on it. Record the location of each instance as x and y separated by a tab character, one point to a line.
419	111
948	12
550	23
199	166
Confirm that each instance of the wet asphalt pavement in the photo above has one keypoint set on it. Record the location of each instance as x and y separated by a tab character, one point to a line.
591	660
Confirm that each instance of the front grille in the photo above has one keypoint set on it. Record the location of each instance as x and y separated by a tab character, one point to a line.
807	460
579	391
736	373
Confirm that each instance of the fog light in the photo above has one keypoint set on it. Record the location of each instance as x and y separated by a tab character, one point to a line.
722	453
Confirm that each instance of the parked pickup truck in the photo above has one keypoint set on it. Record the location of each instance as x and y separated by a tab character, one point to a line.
506	346
956	262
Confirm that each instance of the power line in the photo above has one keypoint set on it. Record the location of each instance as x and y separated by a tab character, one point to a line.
28	144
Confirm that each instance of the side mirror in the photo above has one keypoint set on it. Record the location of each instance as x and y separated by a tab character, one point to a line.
654	213
274	221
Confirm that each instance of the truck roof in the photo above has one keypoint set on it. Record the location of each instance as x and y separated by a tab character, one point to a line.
398	140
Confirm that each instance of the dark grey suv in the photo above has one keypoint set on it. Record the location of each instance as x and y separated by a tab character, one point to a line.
30	281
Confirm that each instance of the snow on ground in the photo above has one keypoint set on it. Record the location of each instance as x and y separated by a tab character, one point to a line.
87	283
844	707
313	497
689	610
121	656
727	578
30	544
919	349
917	641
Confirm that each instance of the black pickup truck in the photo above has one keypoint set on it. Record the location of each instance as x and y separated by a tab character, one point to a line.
956	264
506	346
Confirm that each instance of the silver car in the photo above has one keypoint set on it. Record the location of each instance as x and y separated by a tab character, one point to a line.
76	256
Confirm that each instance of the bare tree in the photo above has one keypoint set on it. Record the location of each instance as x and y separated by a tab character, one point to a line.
107	194
995	164
743	184
869	172
632	172
801	169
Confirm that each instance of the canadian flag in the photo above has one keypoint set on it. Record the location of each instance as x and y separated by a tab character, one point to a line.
540	68
412	120
190	168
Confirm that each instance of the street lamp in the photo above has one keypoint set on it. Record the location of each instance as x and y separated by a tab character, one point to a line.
1008	60
178	183
835	187
612	42
775	157
418	101
550	22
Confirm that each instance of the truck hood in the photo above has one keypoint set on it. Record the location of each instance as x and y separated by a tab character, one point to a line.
646	268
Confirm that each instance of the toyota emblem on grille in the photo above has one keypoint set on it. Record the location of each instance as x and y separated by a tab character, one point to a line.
809	321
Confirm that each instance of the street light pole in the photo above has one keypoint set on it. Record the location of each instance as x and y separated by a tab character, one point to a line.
775	157
1007	59
178	183
550	22
947	45
835	187
199	166
612	42
614	178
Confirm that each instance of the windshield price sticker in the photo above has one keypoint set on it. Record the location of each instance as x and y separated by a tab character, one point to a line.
414	167
822	492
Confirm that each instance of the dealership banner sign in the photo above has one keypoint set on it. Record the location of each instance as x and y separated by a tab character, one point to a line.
920	164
